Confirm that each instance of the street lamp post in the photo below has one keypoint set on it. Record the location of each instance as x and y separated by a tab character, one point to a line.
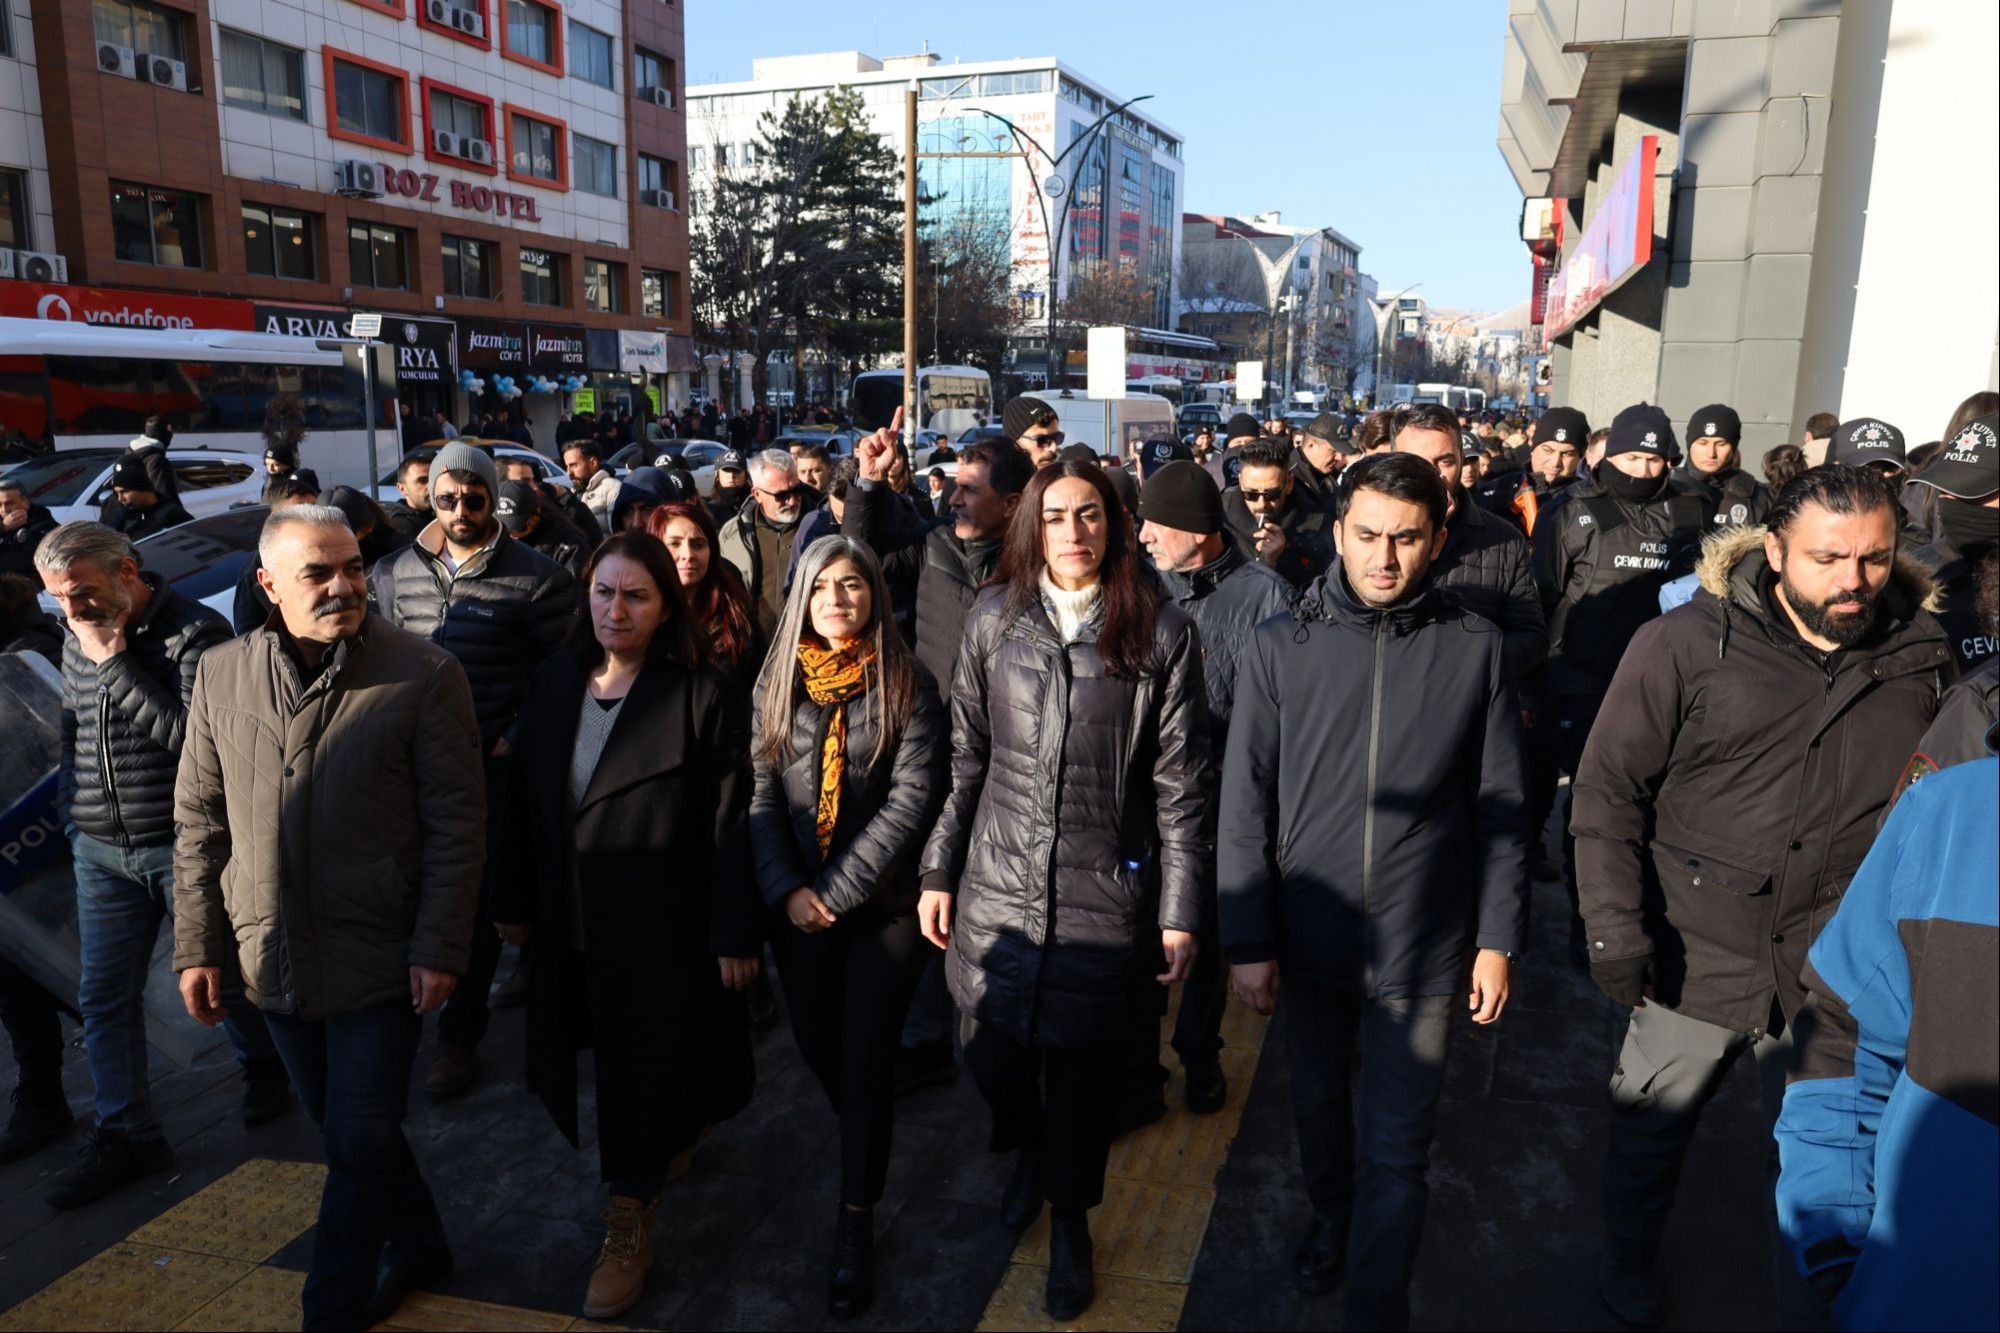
1381	336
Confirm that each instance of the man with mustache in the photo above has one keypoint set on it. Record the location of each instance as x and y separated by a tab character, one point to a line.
1730	787
501	608
129	665
331	820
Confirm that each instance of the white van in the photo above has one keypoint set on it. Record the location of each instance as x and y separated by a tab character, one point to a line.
1135	419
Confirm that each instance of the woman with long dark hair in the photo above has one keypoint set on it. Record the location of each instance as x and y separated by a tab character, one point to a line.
851	749
1073	849
716	597
633	867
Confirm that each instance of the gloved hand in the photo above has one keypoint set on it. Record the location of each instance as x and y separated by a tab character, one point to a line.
1623	979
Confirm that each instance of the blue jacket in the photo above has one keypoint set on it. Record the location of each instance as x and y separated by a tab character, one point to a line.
1887	1140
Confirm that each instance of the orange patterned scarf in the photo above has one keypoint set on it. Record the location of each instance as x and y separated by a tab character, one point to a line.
831	678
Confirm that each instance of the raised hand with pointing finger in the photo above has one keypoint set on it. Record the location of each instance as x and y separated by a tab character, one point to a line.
874	453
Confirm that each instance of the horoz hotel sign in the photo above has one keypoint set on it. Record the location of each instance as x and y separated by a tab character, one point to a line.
459	194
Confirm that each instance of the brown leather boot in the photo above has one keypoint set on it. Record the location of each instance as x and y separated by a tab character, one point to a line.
620	1278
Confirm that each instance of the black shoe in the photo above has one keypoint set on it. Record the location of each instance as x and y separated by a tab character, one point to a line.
1136	1112
924	1067
1629	1285
513	992
1207	1089
452	1071
267	1092
853	1283
763	1001
105	1162
41	1116
396	1283
1071	1283
1318	1262
1022	1203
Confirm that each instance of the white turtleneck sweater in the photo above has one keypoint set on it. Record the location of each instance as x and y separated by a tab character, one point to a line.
1070	610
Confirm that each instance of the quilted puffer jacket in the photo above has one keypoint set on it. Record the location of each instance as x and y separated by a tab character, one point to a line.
122	721
1077	823
1485	564
502	615
332	832
886	810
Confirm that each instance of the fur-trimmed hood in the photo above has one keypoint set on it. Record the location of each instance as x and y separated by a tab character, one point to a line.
1732	568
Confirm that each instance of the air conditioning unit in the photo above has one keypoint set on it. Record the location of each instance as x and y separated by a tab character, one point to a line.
658	198
444	141
118	60
439	11
469	21
661	97
164	72
480	151
33	266
363	179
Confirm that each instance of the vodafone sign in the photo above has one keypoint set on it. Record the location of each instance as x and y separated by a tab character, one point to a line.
123	309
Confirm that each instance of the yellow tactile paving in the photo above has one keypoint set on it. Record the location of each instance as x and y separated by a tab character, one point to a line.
129	1286
251	1213
424	1311
1142	1229
1121	1304
266	1298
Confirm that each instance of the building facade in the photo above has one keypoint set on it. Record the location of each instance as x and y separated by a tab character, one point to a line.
1112	197
500	176
1805	168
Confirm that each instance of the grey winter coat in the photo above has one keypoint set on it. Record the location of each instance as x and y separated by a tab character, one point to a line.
1485	563
1227	600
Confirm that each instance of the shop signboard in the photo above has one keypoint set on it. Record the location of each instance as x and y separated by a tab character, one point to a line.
122	308
584	400
491	344
642	351
304	321
423	348
557	349
1617	243
601	348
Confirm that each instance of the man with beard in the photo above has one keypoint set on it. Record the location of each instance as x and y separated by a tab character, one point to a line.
1735	498
759	539
1733	782
501	608
1271	519
1034	428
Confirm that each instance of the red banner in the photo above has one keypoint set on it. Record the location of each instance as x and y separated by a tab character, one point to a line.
1617	243
122	308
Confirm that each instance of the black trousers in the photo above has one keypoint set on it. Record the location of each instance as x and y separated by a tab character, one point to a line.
846	989
29	1015
464	1018
1204	995
1056	1098
1365	1147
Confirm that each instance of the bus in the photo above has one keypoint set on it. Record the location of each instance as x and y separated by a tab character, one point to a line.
950	399
1163	386
91	386
1475	401
1445	395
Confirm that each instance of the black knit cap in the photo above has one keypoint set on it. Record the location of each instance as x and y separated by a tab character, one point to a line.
1718	420
1642	428
1242	426
1182	496
1020	414
1563	425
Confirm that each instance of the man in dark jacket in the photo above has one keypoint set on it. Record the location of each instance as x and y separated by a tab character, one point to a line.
946	564
1969	709
1734	780
1965	526
1712	469
137	510
1272	520
1034	429
1324	448
149	451
411	509
1370	885
1484	561
128	673
541	528
1555	452
22	526
558	501
1227	595
500	607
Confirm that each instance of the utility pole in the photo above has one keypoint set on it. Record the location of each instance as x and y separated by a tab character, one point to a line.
910	267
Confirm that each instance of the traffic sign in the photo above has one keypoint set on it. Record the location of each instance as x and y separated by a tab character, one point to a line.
1249	381
1106	355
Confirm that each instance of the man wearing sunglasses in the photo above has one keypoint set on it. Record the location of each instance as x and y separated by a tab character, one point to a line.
760	538
501	608
1034	428
1272	521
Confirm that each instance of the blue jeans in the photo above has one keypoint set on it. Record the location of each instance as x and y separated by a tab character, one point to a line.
122	896
352	1071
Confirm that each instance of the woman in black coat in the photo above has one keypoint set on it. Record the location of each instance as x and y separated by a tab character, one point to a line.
851	754
632	864
1074	848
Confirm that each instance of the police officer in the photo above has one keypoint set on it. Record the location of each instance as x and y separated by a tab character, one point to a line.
1735	498
1964	526
1555	452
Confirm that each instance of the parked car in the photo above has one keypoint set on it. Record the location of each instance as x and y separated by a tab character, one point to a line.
1196	415
76	483
546	468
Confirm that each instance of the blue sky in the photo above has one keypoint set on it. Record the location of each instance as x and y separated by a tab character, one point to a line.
1374	118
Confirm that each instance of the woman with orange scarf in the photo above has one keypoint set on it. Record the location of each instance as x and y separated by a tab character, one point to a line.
851	748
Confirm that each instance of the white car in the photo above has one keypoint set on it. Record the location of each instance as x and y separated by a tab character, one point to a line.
546	468
76	483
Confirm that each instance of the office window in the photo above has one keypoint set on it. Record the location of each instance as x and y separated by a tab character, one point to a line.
16	233
535	148
378	256
593	55
149	31
656	173
461	115
698	158
261	75
153	226
278	243
603	286
651	71
596	167
541	277
533	34
370	102
468	267
656	292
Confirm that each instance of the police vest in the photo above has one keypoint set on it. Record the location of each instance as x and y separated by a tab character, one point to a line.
1633	549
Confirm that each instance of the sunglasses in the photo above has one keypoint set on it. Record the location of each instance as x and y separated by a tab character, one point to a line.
1265	497
786	496
472	502
1052	438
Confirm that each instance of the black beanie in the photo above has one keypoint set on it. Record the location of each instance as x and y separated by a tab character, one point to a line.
1642	428
1242	426
1718	420
1182	496
1020	415
1563	425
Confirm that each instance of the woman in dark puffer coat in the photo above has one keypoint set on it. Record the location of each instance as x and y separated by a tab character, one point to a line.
1074	830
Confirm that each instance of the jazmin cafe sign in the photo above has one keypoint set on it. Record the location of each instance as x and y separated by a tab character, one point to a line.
459	194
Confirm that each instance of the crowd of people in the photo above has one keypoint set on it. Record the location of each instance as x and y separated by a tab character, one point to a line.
986	761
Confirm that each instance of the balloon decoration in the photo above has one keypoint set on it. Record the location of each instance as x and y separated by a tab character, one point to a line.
471	383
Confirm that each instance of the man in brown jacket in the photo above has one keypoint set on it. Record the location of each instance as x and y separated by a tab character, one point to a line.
331	830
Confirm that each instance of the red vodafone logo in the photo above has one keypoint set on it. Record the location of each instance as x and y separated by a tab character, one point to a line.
53	307
121	308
